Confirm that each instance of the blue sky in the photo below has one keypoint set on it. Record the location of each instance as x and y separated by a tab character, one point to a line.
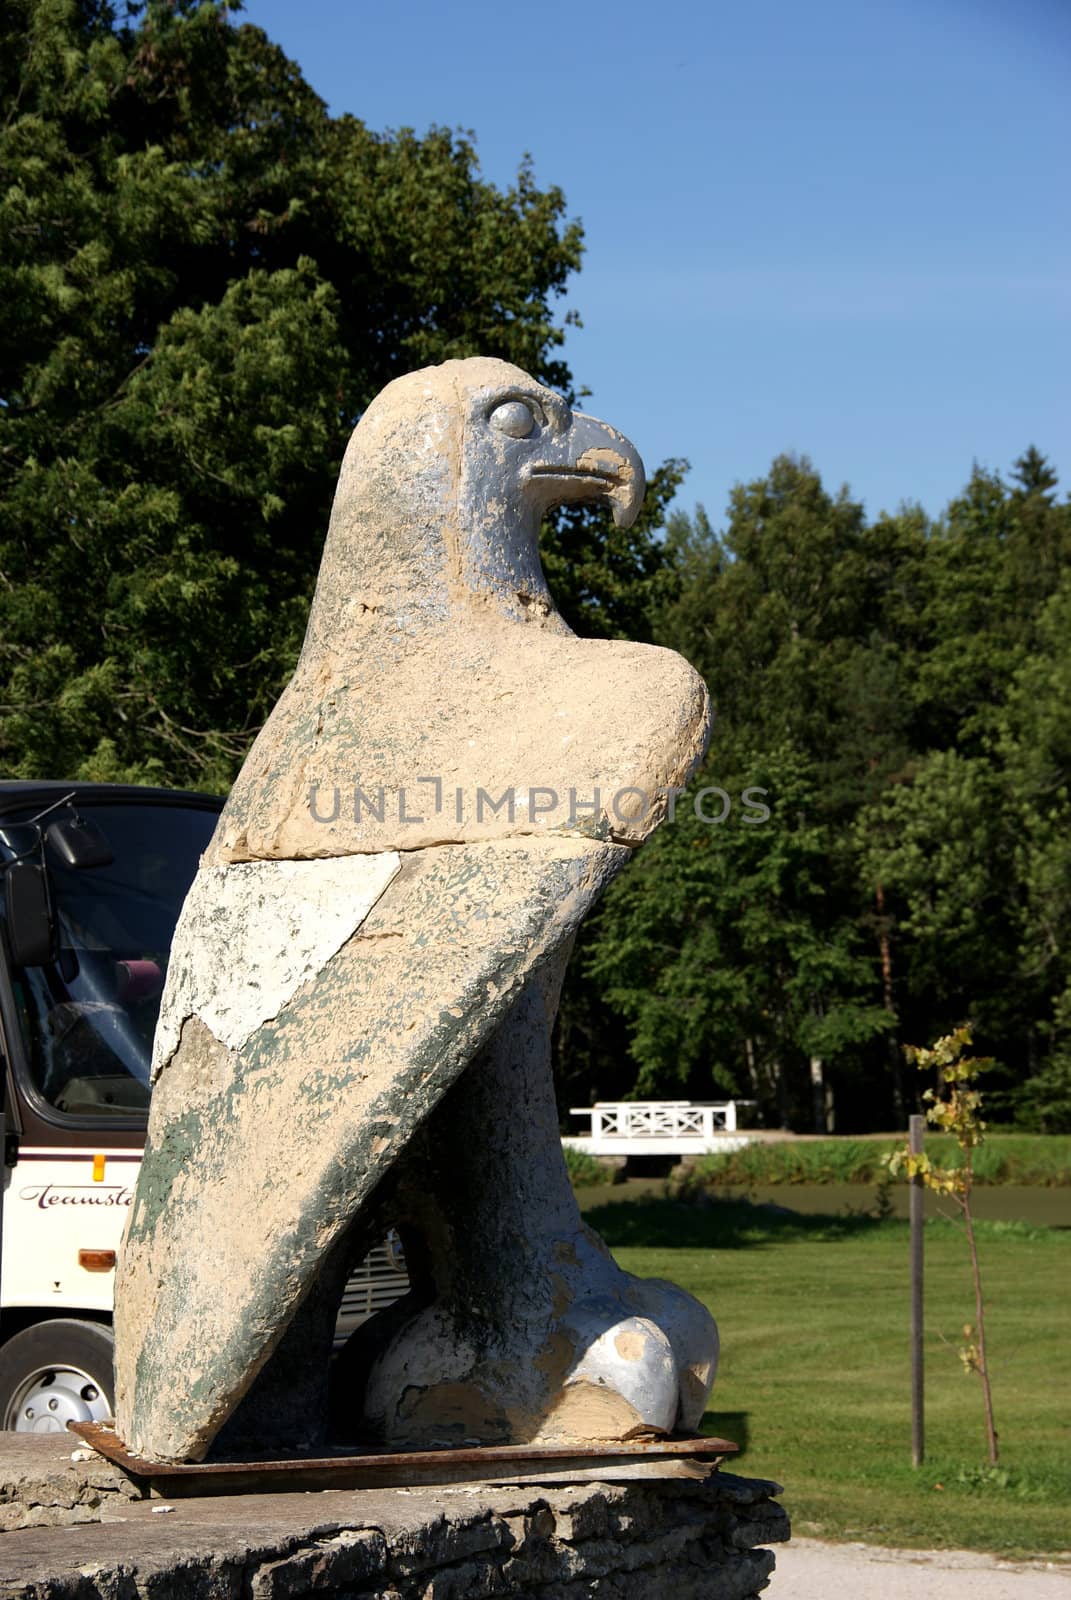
835	228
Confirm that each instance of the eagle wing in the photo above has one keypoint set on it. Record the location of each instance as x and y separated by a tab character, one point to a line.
267	1136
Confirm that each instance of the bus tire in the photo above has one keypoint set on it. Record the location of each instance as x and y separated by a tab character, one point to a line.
56	1372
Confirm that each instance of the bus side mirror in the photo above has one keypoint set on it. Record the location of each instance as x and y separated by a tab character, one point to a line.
31	933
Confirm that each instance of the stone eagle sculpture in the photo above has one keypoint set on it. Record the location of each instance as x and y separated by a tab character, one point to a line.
356	1025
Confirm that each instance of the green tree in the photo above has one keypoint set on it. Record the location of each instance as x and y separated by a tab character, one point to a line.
943	846
735	952
1034	475
1036	751
995	558
903	687
726	952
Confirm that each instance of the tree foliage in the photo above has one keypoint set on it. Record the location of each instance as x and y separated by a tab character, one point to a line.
899	690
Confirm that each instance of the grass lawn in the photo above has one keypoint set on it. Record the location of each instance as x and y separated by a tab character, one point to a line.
814	1375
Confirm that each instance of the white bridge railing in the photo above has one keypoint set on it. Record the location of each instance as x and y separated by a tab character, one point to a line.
658	1127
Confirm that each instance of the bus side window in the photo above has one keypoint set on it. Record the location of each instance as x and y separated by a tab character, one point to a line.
88	1018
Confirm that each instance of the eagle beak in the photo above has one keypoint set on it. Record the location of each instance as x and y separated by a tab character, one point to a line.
592	461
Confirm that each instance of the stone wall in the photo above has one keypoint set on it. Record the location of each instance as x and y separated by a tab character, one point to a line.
47	1481
652	1540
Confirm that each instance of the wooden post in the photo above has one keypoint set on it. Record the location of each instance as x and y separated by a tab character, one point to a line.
916	1126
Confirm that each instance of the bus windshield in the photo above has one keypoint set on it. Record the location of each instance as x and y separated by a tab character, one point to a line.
87	1019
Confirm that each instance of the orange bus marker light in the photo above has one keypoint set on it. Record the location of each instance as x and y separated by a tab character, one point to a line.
99	1163
96	1260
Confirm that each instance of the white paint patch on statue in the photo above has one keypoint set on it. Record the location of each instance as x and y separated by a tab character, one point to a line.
274	925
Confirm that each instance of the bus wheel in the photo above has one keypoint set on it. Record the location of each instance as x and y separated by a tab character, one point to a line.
57	1372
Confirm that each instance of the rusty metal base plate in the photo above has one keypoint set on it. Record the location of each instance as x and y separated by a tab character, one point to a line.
385	1469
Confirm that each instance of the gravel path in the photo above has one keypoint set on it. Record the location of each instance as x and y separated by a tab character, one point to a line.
809	1570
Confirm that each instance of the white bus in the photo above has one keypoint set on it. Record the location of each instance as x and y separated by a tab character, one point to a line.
93	878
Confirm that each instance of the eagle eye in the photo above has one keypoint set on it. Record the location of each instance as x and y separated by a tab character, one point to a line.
514	418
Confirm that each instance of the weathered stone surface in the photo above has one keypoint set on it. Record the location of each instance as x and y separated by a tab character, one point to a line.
257	1159
699	1541
323	998
275	923
47	1482
532	1332
435	652
345	1561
